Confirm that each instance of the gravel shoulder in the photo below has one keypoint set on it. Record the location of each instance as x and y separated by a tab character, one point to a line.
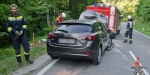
37	63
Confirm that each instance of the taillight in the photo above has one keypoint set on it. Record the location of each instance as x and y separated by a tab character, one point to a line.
89	37
51	36
88	53
112	30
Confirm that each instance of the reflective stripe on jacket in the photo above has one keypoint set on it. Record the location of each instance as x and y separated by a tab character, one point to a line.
15	23
56	22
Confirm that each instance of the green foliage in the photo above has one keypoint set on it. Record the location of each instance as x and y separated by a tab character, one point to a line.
127	7
35	16
143	10
3	13
143	17
72	8
143	28
35	12
6	41
4	9
8	61
6	53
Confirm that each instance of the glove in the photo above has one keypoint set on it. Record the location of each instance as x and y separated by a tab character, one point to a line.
17	33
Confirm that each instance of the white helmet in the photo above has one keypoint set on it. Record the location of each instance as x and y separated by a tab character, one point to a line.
129	17
13	5
63	14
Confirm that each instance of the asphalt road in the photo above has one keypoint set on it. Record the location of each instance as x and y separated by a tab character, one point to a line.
117	61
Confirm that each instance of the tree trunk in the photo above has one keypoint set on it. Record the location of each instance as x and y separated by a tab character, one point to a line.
48	18
54	7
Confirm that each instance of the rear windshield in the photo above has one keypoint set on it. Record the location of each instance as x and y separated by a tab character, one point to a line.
75	28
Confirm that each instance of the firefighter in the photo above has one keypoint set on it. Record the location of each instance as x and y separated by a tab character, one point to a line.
59	19
63	17
16	25
111	44
129	30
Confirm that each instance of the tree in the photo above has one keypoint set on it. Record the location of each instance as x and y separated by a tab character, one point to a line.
125	6
143	11
47	10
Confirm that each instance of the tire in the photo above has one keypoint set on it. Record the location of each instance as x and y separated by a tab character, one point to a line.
138	73
118	31
53	57
97	58
142	73
109	45
113	35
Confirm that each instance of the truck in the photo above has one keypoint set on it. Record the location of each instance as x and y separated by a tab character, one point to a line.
112	14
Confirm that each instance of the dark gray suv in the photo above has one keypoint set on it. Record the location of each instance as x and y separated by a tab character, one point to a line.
79	39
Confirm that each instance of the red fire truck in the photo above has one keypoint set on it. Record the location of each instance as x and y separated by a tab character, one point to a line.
113	15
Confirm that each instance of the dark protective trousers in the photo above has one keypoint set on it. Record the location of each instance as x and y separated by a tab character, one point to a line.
128	34
17	41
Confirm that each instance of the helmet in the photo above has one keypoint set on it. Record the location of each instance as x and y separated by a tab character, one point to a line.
13	5
129	17
63	14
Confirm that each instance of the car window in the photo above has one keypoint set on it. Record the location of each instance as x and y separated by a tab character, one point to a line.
74	28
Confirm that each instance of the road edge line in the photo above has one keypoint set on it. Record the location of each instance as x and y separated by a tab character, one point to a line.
142	34
146	73
47	67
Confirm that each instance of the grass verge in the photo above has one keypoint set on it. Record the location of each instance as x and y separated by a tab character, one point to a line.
144	28
8	61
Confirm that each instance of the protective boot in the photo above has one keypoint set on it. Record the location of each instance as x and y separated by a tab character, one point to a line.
28	59
125	41
130	42
19	61
20	64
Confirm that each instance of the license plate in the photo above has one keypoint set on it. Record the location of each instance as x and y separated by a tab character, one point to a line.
67	41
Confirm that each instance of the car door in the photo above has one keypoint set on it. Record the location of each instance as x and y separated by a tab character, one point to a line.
103	35
96	30
100	33
106	34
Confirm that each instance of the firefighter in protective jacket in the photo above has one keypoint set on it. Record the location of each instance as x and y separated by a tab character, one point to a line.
129	30
16	25
59	19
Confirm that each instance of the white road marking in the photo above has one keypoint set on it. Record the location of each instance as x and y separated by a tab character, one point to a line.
142	34
47	67
146	73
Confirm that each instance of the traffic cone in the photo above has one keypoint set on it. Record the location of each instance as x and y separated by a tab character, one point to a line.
137	63
39	42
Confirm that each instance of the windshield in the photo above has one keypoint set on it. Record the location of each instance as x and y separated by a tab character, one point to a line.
75	28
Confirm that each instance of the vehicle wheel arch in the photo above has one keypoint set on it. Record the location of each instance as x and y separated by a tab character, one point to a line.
97	59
